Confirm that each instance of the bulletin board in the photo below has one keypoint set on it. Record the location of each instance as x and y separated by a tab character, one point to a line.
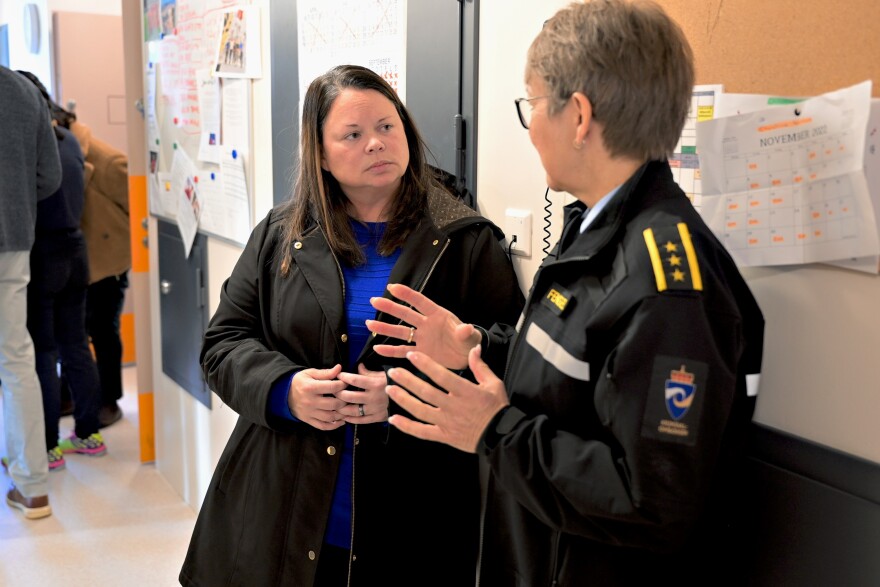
199	134
821	369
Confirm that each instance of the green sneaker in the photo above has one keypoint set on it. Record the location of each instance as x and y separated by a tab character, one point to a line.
56	459
93	445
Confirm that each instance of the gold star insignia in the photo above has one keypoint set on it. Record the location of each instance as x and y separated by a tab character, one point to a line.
673	258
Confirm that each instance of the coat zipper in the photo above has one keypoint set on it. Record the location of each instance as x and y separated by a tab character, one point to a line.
433	266
354	442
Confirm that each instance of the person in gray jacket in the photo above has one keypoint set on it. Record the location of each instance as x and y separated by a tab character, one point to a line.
30	170
311	485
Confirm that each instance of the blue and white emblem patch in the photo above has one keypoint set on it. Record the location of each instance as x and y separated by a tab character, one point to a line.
680	389
673	406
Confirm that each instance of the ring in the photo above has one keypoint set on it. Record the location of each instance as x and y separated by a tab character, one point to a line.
361	410
412	333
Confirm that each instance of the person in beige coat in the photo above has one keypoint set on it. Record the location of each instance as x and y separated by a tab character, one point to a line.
105	224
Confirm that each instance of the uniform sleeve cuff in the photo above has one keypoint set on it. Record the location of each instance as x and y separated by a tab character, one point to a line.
501	424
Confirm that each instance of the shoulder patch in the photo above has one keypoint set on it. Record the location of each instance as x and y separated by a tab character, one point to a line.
673	258
675	400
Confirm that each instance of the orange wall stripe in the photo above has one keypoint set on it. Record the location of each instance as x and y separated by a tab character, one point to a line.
138	210
147	421
126	331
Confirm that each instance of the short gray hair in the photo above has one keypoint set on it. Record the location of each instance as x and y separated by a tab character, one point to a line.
633	63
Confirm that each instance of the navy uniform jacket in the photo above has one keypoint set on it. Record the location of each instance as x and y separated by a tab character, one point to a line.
616	462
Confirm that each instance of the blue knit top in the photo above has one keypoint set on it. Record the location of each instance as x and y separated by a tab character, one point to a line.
361	283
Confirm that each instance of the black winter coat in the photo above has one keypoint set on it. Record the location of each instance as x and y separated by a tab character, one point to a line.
265	513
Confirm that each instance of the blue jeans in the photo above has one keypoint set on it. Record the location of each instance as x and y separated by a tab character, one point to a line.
57	323
22	404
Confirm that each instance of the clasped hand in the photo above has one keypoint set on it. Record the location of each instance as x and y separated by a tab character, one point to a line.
328	398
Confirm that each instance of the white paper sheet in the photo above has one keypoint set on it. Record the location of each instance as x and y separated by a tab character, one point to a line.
209	109
164	204
785	185
236	115
185	190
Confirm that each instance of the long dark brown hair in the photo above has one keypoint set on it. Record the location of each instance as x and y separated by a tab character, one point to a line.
318	196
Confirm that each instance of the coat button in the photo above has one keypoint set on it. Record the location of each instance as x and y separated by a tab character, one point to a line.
357	441
312	555
344	338
435	243
297	245
331	450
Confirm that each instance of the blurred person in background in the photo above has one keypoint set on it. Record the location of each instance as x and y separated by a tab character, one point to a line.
30	171
57	304
105	224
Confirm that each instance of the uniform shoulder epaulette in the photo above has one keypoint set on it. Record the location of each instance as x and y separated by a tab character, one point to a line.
673	257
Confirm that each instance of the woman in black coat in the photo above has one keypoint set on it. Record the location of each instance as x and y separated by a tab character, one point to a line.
303	492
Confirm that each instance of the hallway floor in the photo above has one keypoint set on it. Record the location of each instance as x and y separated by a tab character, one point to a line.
115	521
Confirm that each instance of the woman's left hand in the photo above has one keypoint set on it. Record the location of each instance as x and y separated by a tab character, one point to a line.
367	406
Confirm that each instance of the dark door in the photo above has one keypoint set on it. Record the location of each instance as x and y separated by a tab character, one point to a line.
183	309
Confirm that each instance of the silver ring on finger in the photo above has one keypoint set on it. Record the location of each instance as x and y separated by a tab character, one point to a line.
361	410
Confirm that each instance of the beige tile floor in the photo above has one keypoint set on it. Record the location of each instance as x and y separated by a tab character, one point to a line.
115	520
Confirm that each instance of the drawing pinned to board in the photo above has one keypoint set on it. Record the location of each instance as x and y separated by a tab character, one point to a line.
152	21
371	34
169	17
238	52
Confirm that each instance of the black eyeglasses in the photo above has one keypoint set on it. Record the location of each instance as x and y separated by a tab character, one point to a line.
525	114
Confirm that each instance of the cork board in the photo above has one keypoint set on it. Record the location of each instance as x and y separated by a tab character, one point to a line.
821	370
782	47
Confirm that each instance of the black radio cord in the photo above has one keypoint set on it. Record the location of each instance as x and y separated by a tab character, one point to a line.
547	215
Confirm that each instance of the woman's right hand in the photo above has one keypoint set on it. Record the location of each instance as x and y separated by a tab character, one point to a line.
312	399
432	329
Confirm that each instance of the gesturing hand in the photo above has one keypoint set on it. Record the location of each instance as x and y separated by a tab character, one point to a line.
312	397
433	329
457	418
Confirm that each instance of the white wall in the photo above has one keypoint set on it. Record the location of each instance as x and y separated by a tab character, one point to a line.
12	13
41	63
509	173
190	437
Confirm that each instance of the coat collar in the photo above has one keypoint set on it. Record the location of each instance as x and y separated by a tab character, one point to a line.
649	185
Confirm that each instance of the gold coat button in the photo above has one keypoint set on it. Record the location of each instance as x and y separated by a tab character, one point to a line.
435	243
312	555
331	450
357	441
344	338
297	245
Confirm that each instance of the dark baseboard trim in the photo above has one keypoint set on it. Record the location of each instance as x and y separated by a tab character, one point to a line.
837	469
